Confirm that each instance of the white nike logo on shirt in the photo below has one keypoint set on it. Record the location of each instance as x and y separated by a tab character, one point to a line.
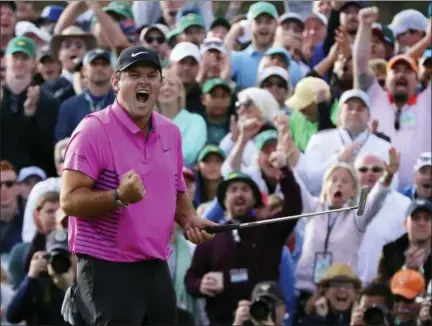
133	55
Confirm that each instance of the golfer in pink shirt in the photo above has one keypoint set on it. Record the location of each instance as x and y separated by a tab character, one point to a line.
123	189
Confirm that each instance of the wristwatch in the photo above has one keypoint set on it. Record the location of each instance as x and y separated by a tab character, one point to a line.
118	201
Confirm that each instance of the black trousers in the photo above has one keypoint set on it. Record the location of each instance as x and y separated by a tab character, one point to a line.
139	293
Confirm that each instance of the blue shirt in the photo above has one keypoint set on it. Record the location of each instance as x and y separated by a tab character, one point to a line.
245	68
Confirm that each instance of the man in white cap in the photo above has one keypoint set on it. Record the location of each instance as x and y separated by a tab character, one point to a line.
276	81
39	36
422	186
28	177
184	60
215	62
154	37
343	144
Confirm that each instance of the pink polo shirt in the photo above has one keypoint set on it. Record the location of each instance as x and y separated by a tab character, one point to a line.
414	134
106	145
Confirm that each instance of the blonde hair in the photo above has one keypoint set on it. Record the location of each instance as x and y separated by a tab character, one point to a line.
328	175
170	74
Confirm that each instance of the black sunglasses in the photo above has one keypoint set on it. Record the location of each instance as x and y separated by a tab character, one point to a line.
397	119
374	169
247	102
151	39
280	84
8	184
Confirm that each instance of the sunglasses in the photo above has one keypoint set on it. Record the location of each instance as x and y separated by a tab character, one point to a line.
399	298
397	119
247	102
213	43
8	184
158	39
67	44
374	169
277	84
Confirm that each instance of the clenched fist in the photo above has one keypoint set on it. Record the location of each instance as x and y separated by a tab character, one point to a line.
368	16
131	189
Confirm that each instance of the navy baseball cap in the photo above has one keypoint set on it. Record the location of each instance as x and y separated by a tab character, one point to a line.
57	240
137	55
94	54
419	204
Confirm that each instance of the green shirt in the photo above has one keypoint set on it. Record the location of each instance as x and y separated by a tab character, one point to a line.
303	129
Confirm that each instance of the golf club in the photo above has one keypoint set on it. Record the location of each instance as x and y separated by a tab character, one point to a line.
359	207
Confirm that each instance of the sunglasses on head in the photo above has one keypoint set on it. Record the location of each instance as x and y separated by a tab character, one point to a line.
8	184
213	43
151	39
374	169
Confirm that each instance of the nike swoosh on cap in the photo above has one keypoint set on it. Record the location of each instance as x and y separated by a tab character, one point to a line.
133	55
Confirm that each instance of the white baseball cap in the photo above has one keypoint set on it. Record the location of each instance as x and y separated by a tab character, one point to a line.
31	171
213	43
320	17
24	27
183	50
355	93
408	19
159	27
272	71
425	159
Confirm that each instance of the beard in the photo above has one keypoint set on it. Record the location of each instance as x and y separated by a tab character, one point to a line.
400	97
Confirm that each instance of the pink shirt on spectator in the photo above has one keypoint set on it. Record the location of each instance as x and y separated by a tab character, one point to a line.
106	145
413	137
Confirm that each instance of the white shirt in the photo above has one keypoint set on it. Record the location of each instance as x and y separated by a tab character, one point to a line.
386	227
29	227
323	149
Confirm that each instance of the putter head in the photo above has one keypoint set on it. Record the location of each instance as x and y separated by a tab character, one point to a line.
364	191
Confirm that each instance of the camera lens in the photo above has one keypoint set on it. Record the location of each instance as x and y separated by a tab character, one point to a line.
60	262
261	309
374	316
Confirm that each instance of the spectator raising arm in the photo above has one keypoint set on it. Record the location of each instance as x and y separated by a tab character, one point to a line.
362	48
69	16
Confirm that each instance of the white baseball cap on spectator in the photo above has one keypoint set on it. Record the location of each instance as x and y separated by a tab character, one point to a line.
159	27
425	159
183	50
272	71
263	100
355	93
408	19
23	28
291	16
213	43
31	171
316	15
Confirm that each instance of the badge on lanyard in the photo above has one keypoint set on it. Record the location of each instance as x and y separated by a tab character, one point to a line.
323	261
239	275
408	119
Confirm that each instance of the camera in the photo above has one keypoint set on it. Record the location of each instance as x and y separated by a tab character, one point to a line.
262	308
59	261
375	315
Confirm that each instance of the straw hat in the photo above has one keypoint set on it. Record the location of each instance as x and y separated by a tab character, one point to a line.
72	32
340	272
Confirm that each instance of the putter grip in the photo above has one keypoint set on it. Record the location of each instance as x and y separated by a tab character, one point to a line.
364	191
221	228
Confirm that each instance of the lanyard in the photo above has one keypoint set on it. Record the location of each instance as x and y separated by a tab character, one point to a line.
99	106
361	144
330	224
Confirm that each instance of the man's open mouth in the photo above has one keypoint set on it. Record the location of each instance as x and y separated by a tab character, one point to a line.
142	96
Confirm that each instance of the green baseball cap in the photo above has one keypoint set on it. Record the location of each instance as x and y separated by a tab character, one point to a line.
210	149
237	176
120	8
264	137
22	44
190	20
384	32
262	8
210	84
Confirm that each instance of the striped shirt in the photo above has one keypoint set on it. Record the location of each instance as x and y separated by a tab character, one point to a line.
106	145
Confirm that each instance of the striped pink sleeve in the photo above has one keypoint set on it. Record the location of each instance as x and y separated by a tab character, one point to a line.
181	186
83	152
